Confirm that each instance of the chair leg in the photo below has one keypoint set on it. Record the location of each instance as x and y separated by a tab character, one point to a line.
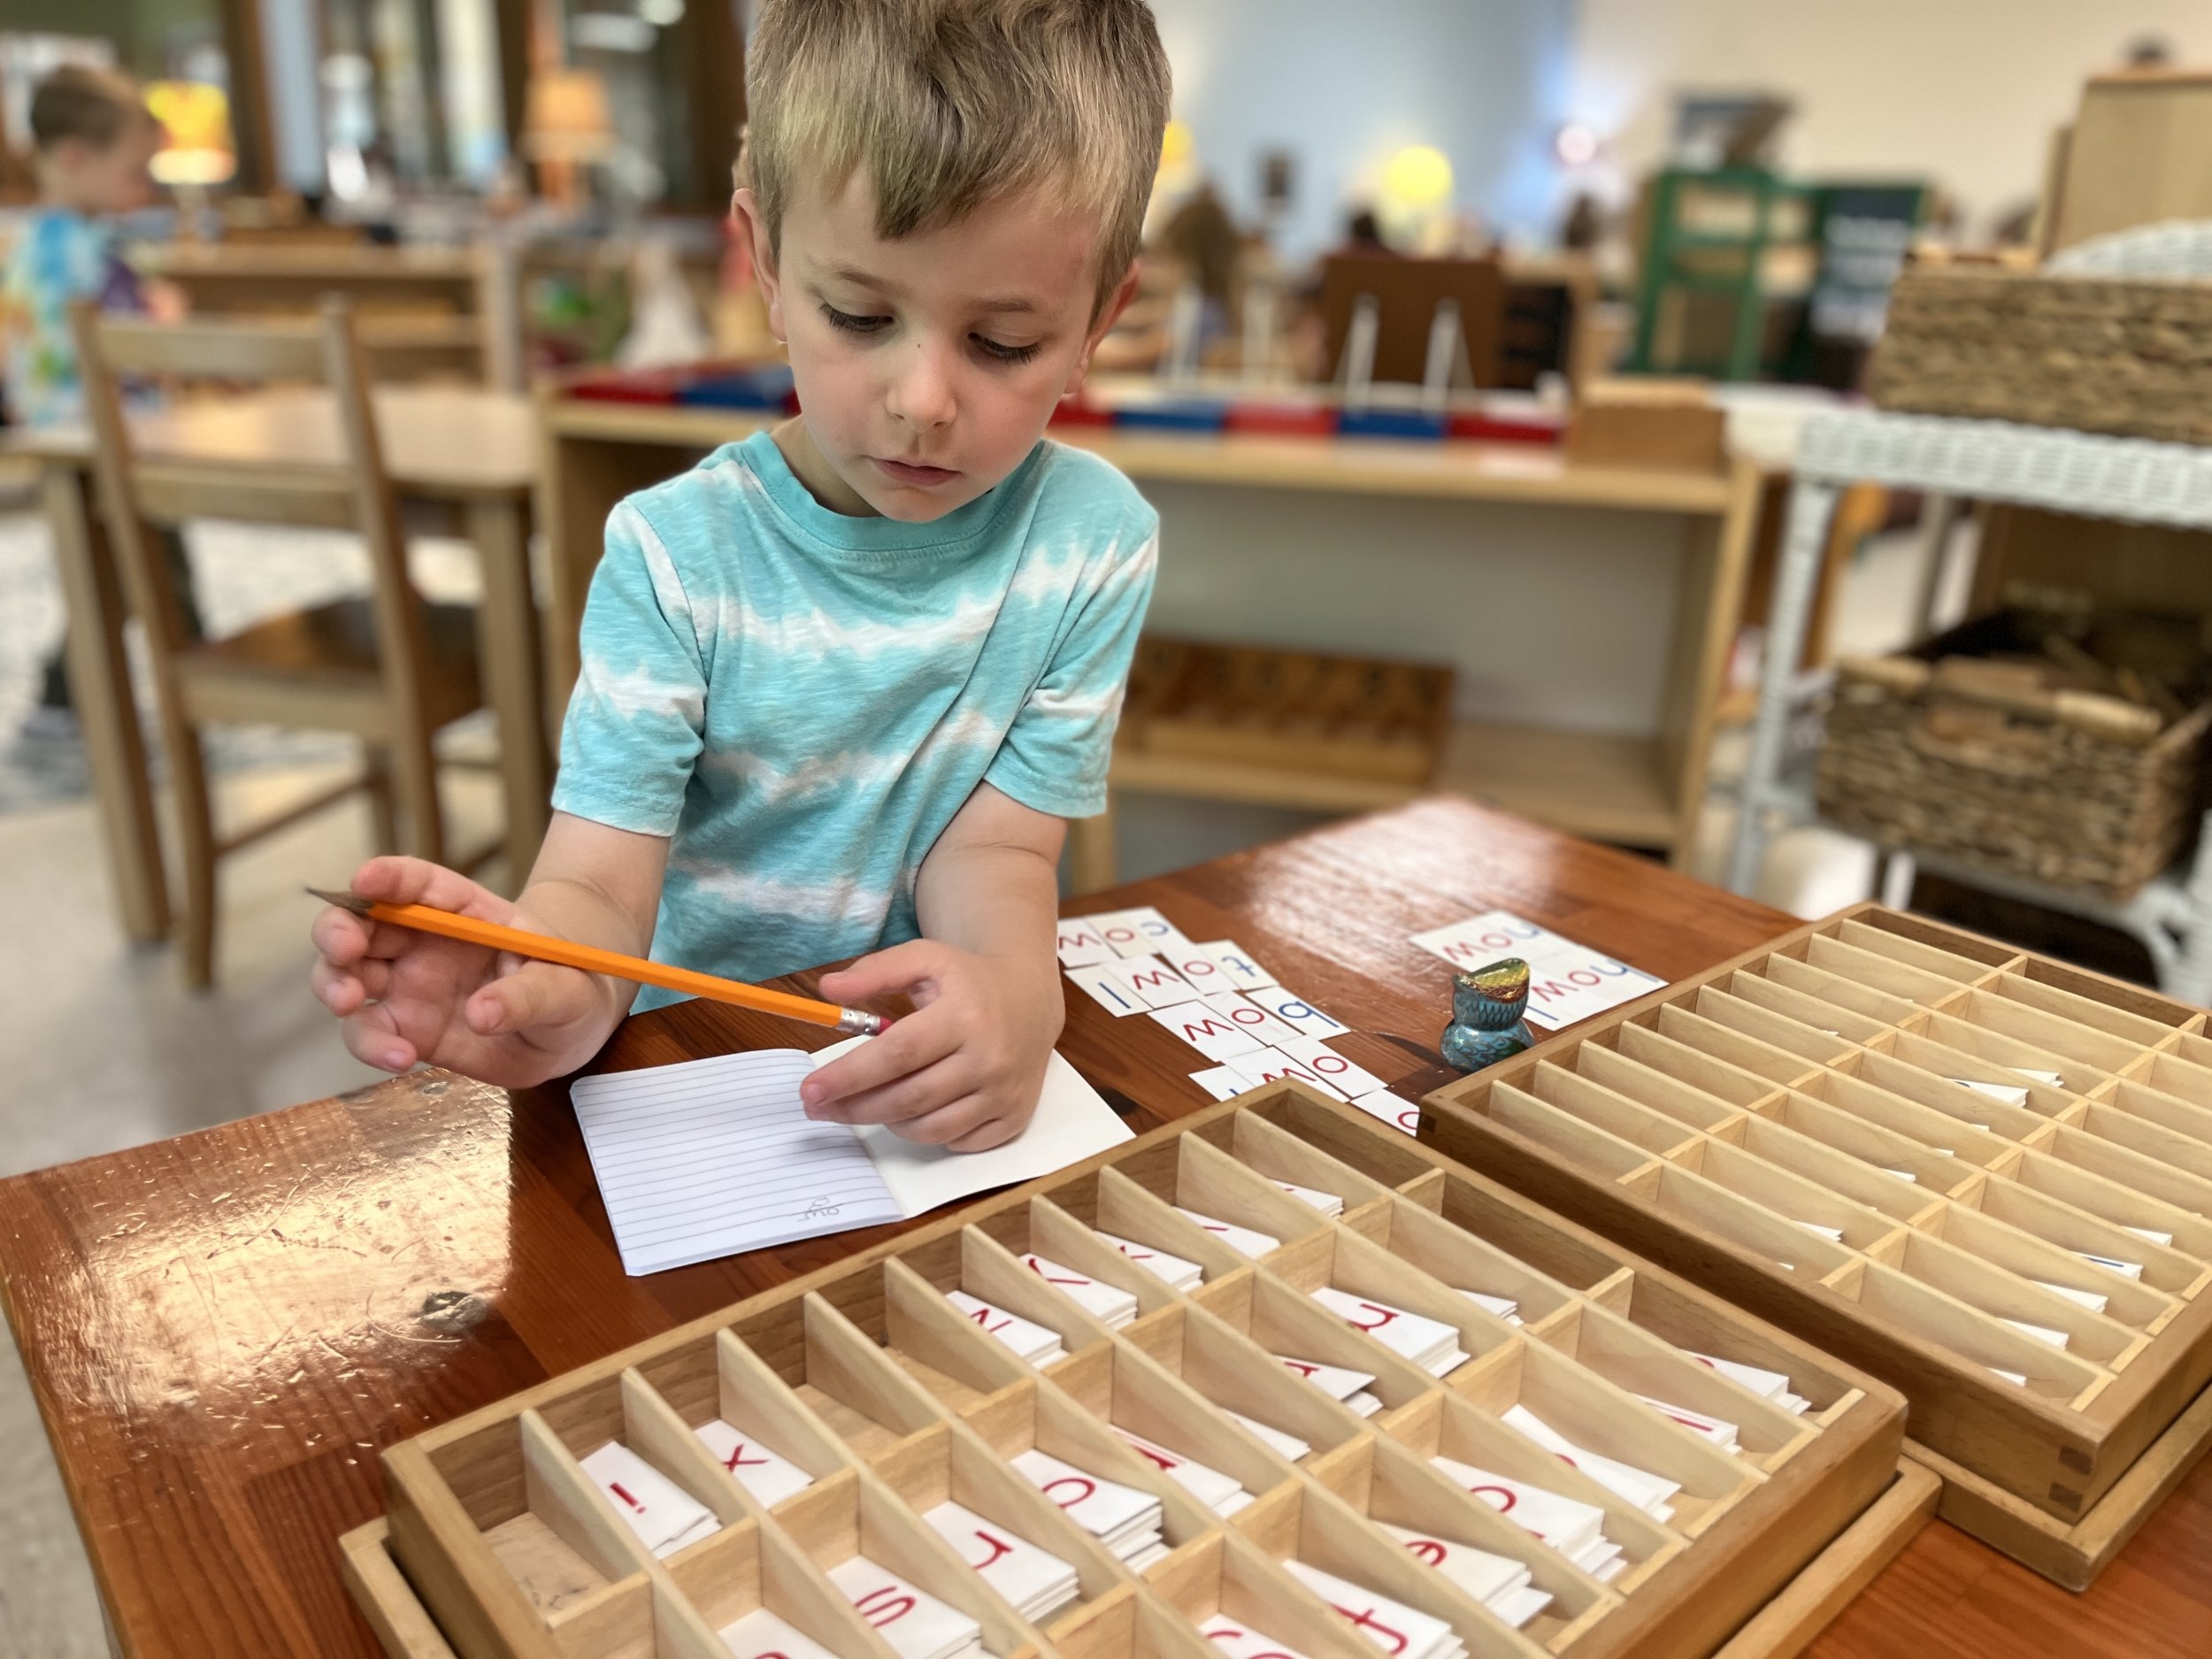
196	842
415	768
376	779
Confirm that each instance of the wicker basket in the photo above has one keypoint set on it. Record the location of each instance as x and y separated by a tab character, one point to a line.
1957	752
2131	357
1347	717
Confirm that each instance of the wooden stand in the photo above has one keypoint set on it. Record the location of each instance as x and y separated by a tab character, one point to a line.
1797	1130
865	1375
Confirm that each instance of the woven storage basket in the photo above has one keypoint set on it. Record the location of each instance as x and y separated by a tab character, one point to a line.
1932	754
2130	355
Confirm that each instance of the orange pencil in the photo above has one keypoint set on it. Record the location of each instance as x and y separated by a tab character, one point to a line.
591	959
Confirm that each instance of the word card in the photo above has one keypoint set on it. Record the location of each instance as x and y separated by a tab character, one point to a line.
914	1622
1567	981
663	1516
760	1634
767	1473
1236	1639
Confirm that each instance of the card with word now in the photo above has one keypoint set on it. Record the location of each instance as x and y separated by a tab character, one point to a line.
1566	981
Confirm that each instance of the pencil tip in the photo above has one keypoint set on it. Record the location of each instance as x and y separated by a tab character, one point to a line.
343	900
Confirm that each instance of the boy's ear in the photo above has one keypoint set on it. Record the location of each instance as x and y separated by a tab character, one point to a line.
746	211
1108	314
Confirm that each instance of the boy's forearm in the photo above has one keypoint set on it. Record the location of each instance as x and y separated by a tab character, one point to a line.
598	885
994	898
575	910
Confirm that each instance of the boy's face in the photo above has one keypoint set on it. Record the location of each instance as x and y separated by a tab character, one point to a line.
110	178
928	367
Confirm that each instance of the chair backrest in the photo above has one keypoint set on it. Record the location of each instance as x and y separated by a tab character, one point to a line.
345	488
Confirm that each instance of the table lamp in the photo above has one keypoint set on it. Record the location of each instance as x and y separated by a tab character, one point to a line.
566	122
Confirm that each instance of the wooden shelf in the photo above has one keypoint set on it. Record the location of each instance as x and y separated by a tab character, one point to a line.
1381	467
1607	788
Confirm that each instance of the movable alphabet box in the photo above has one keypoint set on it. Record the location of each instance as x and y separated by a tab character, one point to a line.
1980	1175
498	1545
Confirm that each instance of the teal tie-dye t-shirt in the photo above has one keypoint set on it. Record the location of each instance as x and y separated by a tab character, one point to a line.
802	699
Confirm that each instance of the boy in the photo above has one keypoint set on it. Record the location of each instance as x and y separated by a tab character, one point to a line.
844	683
94	137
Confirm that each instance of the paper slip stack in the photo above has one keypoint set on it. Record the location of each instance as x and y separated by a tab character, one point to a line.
1499	1582
1647	1492
1400	1630
2112	1264
1244	1240
767	1473
1110	1305
1504	1307
1286	1444
1029	1341
1222	1494
1233	1638
914	1622
1429	1343
664	1517
2040	1333
1033	1580
2004	1091
1770	1385
1173	1270
2165	1240
1575	1528
2088	1299
1124	1519
760	1634
1348	1387
1721	1434
1834	1236
1328	1203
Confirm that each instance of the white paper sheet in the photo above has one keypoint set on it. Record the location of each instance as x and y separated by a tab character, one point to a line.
1072	1123
711	1157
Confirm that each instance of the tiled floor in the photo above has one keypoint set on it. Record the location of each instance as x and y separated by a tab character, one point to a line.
103	1048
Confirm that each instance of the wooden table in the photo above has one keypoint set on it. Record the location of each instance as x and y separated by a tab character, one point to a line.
465	458
1641	788
223	1329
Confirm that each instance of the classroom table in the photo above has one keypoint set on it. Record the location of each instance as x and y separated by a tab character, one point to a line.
458	459
224	1329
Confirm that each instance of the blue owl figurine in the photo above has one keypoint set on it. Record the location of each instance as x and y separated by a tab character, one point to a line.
1487	1005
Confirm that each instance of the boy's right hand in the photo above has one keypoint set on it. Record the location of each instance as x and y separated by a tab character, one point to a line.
404	996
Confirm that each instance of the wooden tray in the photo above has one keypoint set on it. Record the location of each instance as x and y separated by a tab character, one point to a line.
1783	1628
864	1373
1714	1124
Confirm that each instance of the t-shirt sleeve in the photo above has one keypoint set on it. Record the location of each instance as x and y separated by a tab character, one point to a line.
1056	754
633	732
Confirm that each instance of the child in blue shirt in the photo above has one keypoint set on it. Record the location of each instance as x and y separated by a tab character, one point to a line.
93	138
843	683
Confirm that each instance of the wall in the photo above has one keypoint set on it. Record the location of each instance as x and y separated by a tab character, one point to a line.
1966	90
1344	87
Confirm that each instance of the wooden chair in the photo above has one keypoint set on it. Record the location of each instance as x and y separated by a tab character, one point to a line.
390	669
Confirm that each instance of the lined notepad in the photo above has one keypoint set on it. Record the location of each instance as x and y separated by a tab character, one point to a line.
711	1157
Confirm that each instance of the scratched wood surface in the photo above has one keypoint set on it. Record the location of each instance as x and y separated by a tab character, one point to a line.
223	1329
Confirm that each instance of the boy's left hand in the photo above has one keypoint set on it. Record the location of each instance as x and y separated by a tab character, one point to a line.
963	1071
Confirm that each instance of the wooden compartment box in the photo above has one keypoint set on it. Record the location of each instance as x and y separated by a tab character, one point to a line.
1983	1177
883	1400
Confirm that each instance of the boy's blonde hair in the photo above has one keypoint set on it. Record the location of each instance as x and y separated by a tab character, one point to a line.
94	106
947	104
